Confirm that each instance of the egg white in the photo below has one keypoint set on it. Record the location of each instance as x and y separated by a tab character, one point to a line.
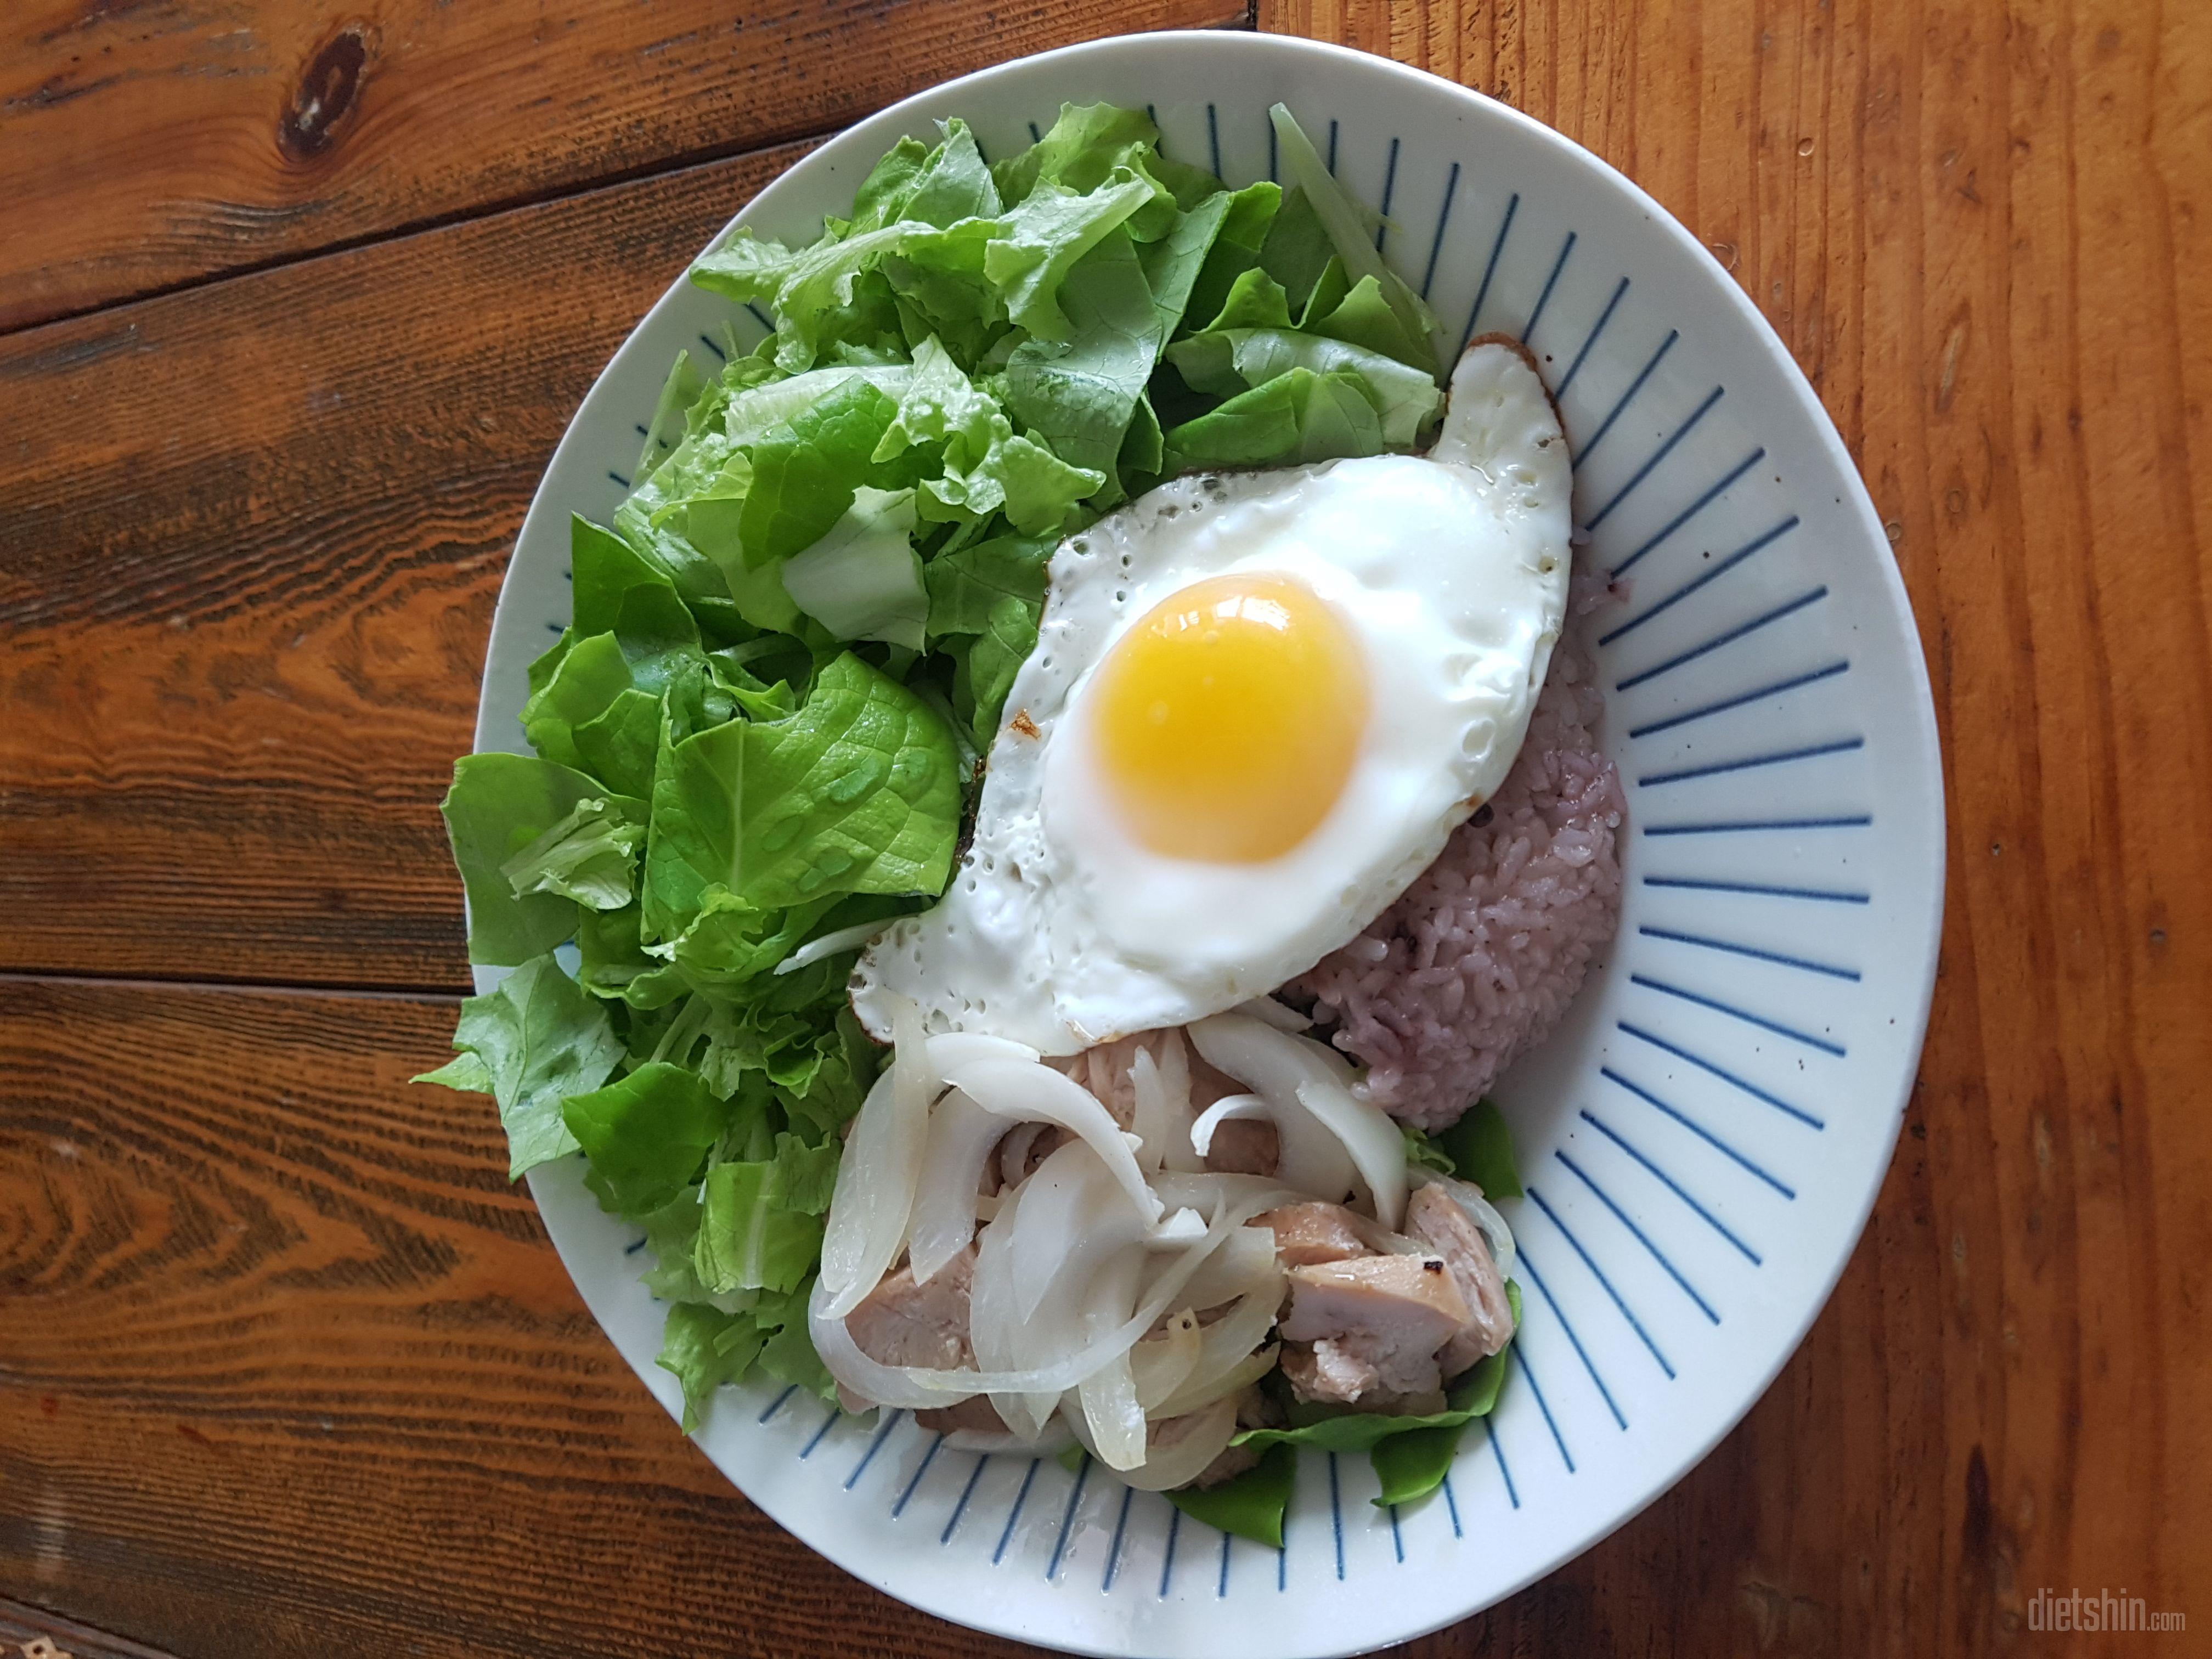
1448	569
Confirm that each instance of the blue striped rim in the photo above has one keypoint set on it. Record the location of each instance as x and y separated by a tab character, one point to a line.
1778	956
1765	539
1543	1405
1274	169
1598	1272
875	1444
1389	189
1657	456
1482	294
1498	1451
1066	1520
1332	146
1451	1506
1581	1352
1213	138
1114	1549
1036	137
1550	282
1335	1515
1704	1065
707	341
1713	493
1444	214
1596	328
827	1424
776	1404
632	1249
760	317
1702	1133
1759	889
1811	676
1221	1584
921	1469
1813	751
1673	1187
1167	1561
1743	826
966	1492
618	478
1021	1497
1629	396
1787	608
1702	1001
1397	1538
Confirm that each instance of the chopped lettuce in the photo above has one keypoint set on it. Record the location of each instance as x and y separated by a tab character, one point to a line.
1251	1504
793	638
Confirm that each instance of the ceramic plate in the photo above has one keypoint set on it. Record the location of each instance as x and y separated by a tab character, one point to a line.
1702	1139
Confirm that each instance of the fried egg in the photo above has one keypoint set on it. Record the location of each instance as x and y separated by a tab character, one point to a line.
1258	705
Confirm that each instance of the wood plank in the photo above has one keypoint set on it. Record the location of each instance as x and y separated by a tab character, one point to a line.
145	146
290	1368
240	654
28	1633
1981	228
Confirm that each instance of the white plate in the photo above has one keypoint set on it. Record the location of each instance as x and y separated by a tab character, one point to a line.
1704	1139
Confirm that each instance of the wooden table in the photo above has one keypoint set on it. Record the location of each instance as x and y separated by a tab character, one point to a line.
297	301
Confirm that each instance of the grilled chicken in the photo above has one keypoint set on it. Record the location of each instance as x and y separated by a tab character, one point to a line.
1432	1218
1376	1324
1307	1233
902	1323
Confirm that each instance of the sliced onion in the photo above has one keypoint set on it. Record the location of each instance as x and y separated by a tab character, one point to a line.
1482	1212
1236	1268
1149	1116
1184	1226
1171	1071
923	1386
876	1176
1028	1091
1297	1069
1108	1395
950	1048
1228	1106
1161	1363
1181	1448
1269	1011
1239	1376
961	1137
845	939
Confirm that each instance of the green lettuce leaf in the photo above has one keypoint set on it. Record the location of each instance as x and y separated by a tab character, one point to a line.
646	1134
1192	268
806	471
1039	240
963	586
1297	416
1296	250
531	1043
1076	395
590	674
705	1348
1252	1505
862	580
749	1236
590	856
1480	1148
499	806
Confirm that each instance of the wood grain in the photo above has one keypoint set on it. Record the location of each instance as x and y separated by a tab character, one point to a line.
248	553
1983	231
1983	227
147	145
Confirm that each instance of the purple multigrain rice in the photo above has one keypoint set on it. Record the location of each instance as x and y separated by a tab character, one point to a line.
1478	959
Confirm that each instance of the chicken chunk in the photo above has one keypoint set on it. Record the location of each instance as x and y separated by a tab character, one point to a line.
903	1323
1376	1324
1307	1233
975	1413
1244	1146
1432	1218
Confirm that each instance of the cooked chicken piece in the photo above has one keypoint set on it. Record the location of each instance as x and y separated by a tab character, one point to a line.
1432	1218
1024	1147
976	1412
1307	1233
1376	1324
902	1323
1244	1146
1232	1462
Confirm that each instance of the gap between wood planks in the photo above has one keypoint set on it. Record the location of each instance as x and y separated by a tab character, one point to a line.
678	161
36	1633
265	987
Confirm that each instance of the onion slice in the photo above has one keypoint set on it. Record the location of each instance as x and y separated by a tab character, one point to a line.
961	1137
1290	1069
876	1176
1030	1092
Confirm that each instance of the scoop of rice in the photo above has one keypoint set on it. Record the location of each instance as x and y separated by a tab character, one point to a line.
1476	962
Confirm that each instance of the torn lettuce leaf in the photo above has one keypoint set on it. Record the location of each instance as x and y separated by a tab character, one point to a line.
531	1043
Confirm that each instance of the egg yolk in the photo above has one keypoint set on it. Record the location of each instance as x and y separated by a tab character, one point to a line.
1228	719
